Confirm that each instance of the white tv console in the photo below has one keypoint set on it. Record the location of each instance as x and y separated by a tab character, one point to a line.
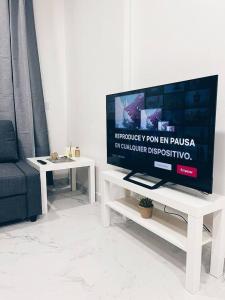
188	237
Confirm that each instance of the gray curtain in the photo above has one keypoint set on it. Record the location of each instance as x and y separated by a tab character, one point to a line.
21	94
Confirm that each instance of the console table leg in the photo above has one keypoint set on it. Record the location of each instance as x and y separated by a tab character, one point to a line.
127	194
194	253
218	244
44	197
105	198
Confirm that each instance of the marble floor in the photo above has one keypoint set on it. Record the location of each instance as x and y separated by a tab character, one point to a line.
68	255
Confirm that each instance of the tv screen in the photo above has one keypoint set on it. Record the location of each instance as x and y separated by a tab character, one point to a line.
165	131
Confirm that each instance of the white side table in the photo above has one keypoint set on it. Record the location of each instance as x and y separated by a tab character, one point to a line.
190	238
78	162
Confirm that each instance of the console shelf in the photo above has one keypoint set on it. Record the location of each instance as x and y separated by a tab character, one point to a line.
168	227
188	237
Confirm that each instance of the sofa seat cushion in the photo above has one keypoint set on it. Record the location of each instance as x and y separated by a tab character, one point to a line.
12	180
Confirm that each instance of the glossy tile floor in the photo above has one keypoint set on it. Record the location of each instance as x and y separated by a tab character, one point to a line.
68	255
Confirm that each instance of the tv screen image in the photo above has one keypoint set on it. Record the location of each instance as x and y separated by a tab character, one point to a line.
165	131
127	111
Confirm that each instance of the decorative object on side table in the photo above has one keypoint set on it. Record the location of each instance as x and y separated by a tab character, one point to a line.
72	151
69	151
146	208
77	152
54	155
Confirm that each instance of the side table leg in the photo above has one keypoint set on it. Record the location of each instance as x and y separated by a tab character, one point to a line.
44	197
91	183
218	244
194	254
73	179
105	187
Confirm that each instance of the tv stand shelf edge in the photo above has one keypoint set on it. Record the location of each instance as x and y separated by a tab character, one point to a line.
190	238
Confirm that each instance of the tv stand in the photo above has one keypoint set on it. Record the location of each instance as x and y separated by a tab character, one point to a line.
188	237
150	187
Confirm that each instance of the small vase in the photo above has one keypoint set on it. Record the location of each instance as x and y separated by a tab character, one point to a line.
77	152
146	212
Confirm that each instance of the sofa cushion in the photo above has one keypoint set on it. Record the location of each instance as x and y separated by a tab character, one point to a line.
12	180
8	144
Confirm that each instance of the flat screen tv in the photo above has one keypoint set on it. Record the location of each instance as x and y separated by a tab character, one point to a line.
165	131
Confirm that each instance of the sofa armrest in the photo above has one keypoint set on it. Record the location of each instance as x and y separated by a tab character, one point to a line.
33	188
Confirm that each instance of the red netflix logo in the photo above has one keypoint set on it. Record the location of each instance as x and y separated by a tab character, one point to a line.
187	171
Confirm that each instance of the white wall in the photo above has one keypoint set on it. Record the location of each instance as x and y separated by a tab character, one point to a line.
89	48
50	29
173	40
94	33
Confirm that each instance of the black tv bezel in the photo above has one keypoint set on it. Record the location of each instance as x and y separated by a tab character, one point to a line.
176	180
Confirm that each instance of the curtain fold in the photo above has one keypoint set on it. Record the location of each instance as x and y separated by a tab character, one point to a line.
39	118
21	94
7	111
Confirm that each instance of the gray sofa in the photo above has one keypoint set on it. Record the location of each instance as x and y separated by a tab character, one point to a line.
20	193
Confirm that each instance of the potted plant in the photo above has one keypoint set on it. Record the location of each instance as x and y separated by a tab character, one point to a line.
146	208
